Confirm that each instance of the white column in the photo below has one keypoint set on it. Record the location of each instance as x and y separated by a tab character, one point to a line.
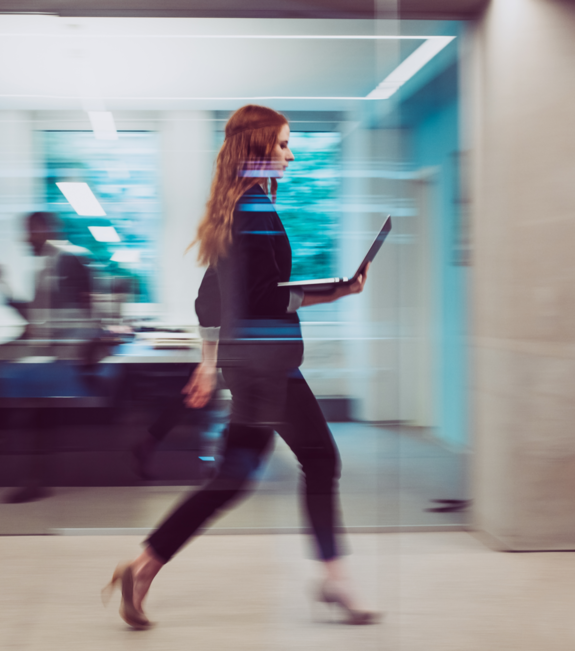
18	187
390	357
188	155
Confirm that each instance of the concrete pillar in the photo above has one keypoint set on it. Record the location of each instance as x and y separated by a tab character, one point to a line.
523	280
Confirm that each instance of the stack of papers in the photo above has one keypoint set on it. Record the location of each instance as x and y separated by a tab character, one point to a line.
170	340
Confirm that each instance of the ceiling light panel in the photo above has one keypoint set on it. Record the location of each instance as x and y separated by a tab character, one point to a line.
163	64
409	67
82	199
131	256
103	125
104	233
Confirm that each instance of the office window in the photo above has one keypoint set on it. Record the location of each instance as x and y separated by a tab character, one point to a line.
308	203
123	176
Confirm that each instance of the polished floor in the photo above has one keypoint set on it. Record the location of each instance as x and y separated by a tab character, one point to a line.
439	591
390	477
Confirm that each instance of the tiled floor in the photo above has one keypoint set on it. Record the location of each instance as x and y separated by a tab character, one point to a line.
440	591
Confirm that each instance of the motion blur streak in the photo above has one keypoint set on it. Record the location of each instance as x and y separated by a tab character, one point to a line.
447	383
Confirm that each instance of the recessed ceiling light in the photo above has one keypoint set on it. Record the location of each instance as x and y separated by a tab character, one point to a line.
409	66
82	199
103	125
431	46
312	37
126	255
104	233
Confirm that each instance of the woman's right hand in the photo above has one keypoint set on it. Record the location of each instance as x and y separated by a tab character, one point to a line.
357	286
200	386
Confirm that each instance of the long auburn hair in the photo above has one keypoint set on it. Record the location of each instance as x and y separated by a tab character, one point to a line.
251	135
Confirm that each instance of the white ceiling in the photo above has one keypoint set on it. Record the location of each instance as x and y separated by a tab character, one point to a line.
57	63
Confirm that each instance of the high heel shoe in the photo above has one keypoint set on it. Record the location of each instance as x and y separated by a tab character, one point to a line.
123	574
329	595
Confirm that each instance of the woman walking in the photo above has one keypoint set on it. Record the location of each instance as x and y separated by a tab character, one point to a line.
250	328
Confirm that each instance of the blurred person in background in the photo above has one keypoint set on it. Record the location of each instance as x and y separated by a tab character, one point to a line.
58	315
62	285
250	328
62	309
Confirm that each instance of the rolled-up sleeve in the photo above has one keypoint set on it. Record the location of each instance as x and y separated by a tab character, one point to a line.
210	334
295	299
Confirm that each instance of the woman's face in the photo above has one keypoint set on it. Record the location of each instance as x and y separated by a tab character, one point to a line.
281	154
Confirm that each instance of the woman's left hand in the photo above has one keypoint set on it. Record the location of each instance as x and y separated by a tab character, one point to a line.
358	285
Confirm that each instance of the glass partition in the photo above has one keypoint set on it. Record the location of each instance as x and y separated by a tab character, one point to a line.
93	433
123	175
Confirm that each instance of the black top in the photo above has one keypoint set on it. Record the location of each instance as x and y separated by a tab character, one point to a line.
240	293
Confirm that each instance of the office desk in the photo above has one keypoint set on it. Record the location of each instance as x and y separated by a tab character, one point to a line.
50	381
87	414
142	352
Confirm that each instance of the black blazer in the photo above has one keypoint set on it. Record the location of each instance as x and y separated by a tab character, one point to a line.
240	294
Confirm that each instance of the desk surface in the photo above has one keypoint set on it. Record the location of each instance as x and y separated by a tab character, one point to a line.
133	352
46	381
140	352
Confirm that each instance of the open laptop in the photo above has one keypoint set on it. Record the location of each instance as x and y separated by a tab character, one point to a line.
327	284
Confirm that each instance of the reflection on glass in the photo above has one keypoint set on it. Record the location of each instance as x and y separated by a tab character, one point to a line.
309	203
122	174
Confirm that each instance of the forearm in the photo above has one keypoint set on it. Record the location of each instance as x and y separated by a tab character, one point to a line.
202	383
356	287
313	298
209	352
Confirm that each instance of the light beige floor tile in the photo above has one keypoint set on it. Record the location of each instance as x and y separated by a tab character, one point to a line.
441	592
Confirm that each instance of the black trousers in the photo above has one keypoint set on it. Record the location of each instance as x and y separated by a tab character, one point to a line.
303	428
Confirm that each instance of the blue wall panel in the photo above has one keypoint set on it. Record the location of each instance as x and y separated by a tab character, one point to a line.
433	116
